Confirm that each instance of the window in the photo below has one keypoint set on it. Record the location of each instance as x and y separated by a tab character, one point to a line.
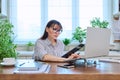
32	15
28	20
61	10
89	10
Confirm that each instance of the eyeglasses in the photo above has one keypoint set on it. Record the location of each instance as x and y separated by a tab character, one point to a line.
57	31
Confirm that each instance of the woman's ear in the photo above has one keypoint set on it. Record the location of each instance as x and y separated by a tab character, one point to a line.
46	29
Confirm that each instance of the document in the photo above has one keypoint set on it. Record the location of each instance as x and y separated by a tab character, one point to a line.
29	66
32	67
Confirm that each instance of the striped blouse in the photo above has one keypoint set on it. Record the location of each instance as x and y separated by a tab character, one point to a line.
43	47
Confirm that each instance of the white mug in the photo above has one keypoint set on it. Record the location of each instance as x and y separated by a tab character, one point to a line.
9	60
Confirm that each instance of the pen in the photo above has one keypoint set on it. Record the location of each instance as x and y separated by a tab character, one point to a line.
22	64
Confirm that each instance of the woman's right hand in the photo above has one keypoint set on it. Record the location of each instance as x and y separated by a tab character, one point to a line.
72	56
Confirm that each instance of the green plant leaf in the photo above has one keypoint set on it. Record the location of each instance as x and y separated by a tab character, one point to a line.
66	41
96	22
7	47
79	34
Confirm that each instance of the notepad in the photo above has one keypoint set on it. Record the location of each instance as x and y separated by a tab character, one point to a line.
28	66
33	68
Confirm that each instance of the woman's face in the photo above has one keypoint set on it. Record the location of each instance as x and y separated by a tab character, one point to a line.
54	31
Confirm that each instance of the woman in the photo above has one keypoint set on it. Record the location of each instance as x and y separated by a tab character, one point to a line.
48	47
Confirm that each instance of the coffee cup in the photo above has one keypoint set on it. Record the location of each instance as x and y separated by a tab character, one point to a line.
9	60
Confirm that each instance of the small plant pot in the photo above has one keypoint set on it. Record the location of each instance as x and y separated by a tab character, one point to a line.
66	48
30	48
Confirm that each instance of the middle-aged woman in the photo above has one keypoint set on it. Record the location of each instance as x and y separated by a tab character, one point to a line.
48	47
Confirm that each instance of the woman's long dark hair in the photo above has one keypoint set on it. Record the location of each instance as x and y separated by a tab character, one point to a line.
50	24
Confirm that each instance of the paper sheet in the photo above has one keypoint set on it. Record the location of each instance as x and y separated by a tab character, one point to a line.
43	68
116	29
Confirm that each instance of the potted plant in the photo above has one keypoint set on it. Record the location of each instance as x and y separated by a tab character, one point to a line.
29	46
7	47
79	34
96	22
66	42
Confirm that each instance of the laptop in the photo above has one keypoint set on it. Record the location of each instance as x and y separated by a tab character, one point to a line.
97	42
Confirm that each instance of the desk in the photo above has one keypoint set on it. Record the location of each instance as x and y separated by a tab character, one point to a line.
102	71
116	40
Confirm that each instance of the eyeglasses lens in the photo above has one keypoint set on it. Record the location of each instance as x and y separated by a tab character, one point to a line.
55	30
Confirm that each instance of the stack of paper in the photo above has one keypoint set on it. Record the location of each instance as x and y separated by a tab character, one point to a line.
29	66
32	67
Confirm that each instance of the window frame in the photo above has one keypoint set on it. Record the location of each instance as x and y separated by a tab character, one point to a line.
108	11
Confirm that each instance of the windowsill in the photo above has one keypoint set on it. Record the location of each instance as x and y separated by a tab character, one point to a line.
24	53
29	54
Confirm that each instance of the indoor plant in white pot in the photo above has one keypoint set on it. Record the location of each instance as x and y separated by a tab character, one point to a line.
79	34
66	42
7	47
96	22
29	46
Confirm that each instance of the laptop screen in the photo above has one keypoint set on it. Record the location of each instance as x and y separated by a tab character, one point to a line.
97	42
